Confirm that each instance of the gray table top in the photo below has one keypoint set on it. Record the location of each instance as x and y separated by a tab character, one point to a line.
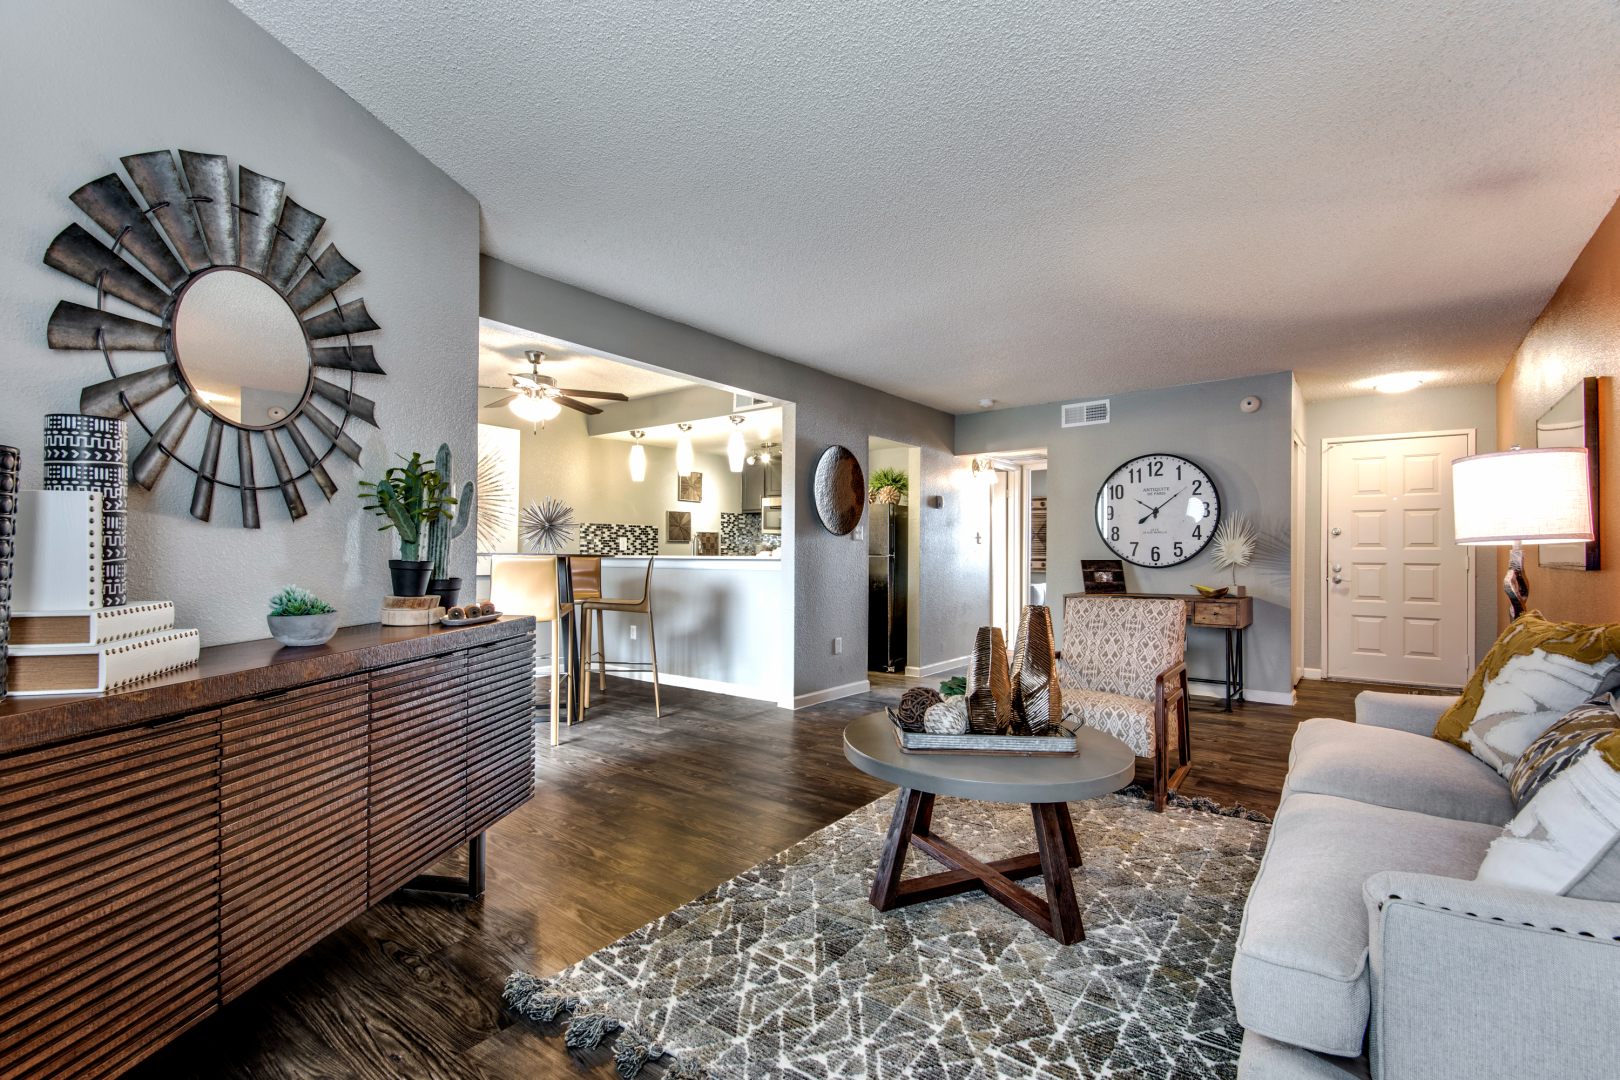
1104	764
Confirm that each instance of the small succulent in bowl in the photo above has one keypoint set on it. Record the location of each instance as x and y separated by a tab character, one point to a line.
299	618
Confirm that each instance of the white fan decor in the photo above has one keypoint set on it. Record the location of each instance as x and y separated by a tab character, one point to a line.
1235	545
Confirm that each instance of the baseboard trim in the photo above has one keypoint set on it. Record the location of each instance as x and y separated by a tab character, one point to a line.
913	672
934	669
1310	673
1258	697
688	682
831	693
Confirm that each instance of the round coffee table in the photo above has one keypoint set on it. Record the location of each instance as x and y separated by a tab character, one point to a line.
1047	784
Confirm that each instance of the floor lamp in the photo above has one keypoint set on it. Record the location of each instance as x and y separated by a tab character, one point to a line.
1522	497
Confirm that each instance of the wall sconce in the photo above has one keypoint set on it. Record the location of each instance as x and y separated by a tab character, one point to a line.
638	458
683	452
983	473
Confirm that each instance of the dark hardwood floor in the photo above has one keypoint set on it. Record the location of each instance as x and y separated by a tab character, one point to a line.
633	816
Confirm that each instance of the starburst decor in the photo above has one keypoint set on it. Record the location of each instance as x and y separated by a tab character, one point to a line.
498	502
1235	544
548	525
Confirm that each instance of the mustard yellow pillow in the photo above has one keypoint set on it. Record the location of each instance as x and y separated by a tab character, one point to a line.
1535	673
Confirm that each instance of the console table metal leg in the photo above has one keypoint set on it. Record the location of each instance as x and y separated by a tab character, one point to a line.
1240	633
1230	663
471	885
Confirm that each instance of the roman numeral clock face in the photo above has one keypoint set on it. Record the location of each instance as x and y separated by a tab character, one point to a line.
1158	510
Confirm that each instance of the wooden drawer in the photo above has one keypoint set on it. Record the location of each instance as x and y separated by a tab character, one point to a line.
108	932
1214	613
293	824
500	731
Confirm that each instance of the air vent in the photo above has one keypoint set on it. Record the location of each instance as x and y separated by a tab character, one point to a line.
1082	413
744	402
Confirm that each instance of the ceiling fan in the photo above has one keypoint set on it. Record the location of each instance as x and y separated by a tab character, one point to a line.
537	397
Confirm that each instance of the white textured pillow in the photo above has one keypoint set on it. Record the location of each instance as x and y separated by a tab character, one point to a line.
1529	695
1564	841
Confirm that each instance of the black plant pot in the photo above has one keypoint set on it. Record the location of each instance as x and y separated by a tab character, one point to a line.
447	589
410	576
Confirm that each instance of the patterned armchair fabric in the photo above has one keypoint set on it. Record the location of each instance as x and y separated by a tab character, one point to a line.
1113	649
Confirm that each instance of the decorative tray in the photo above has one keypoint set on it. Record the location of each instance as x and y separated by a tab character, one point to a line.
922	742
470	622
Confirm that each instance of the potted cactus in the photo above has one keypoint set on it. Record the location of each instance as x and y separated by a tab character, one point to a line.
441	530
297	618
409	499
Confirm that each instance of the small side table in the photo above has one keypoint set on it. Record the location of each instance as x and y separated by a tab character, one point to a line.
1047	784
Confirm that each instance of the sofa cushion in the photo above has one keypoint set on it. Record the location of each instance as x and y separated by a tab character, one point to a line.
1395	769
1535	673
1128	719
1300	972
1267	1059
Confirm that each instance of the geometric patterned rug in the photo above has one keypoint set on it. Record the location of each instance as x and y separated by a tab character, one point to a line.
787	971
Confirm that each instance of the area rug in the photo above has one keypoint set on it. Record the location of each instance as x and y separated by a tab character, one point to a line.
787	971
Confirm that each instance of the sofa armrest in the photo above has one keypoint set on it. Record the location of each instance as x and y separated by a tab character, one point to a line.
1416	713
1472	980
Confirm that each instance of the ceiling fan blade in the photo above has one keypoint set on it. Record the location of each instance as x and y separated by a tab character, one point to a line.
605	395
579	405
502	401
524	380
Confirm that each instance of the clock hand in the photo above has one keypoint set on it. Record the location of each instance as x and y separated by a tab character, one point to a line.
1168	501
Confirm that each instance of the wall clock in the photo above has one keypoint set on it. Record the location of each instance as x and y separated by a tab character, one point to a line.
1158	510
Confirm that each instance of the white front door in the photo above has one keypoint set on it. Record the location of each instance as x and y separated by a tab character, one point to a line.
1399	590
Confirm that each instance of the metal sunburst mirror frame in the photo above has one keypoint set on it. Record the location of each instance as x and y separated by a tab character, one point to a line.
193	225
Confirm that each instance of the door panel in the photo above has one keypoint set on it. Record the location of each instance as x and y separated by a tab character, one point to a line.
1398	588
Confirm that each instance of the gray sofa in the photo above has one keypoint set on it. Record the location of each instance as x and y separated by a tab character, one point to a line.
1367	949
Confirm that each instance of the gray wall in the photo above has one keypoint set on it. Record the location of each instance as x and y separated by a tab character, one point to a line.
1245	453
829	572
1445	409
87	81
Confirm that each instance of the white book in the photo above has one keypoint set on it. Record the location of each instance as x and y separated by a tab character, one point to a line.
53	670
90	627
57	564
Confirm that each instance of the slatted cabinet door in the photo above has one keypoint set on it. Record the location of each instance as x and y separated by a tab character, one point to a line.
108	916
418	767
500	730
293	824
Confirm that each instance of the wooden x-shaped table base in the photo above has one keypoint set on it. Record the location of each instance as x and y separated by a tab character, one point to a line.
1058	916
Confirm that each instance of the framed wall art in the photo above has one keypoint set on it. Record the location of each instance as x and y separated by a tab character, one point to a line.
689	488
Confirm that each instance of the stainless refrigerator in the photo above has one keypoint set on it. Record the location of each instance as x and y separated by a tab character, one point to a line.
886	579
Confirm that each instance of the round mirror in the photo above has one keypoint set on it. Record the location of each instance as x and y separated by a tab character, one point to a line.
241	348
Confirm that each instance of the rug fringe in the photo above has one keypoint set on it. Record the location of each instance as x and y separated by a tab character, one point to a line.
1197	802
632	1050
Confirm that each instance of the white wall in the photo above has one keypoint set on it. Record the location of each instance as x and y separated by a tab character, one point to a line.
87	81
593	476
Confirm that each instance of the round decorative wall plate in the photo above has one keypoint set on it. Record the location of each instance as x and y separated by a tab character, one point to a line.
840	490
1158	510
246	319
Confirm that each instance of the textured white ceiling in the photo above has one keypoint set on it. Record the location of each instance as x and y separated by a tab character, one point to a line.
1024	200
504	349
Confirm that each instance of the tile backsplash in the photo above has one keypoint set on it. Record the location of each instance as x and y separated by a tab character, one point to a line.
598	539
740	534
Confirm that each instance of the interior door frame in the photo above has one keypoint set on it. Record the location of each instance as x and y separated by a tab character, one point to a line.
1322	552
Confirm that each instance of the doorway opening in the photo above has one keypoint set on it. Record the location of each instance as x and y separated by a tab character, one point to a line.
1012	536
894	558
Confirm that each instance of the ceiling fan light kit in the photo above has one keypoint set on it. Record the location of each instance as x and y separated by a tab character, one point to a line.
537	398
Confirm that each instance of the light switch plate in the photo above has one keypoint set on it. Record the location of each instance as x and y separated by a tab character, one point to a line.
838	645
859	534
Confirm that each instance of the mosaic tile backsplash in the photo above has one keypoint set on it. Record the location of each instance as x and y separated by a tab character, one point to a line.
740	534
597	539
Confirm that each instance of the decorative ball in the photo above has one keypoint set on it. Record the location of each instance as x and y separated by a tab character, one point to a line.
949	717
914	704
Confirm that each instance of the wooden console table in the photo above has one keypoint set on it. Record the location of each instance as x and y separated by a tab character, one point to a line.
166	847
1233	614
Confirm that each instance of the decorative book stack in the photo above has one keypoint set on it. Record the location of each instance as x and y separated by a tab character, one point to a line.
86	453
411	611
9	463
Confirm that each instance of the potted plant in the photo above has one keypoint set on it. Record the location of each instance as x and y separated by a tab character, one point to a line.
887	486
297	617
408	499
442	530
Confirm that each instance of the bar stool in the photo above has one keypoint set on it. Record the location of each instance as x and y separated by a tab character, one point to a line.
642	606
585	571
532	585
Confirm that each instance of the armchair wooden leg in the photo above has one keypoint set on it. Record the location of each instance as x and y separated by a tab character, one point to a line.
1161	756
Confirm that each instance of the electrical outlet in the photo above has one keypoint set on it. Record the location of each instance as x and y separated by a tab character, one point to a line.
838	645
632	631
624	543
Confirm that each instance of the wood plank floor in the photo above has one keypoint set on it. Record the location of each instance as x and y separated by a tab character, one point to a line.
633	816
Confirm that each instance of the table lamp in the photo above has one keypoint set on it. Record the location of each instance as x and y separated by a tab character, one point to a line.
1520	497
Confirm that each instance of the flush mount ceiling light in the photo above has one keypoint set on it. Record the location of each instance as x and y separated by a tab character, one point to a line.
1398	384
537	398
736	449
638	458
683	452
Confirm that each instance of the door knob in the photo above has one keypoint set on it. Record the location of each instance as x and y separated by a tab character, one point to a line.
1337	580
1335	532
1337	568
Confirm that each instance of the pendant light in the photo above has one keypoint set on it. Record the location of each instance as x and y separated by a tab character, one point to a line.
736	449
638	459
683	452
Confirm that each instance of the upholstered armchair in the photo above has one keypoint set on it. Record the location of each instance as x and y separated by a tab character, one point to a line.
1122	672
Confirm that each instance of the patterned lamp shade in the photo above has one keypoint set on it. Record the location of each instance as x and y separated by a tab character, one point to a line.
1541	496
88	453
9	462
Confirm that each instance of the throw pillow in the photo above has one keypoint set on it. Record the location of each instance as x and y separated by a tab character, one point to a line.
1535	673
1561	745
1564	840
